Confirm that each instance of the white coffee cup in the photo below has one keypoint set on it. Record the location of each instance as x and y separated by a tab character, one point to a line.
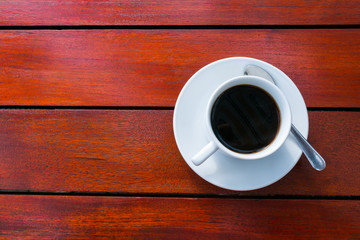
282	133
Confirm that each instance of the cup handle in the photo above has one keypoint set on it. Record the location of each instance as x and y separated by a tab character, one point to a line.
204	153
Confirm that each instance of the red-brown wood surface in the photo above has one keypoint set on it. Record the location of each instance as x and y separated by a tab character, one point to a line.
177	12
135	152
116	173
173	218
149	67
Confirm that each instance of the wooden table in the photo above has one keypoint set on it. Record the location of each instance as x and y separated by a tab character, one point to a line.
87	91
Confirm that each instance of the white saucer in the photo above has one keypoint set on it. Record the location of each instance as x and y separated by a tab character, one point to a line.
191	134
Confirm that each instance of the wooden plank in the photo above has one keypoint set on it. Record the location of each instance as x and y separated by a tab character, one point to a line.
176	218
203	12
135	152
149	67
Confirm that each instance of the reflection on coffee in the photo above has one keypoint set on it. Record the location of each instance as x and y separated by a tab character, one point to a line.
245	118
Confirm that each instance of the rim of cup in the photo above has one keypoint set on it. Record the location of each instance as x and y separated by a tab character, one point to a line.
280	100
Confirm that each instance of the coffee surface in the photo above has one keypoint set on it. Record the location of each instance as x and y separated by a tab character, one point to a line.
245	118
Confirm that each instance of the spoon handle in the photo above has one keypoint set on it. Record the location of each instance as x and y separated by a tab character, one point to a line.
314	157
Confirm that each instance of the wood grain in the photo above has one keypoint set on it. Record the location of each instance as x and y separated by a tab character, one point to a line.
135	152
149	67
203	12
173	218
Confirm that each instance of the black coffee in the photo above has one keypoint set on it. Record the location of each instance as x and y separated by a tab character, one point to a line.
245	118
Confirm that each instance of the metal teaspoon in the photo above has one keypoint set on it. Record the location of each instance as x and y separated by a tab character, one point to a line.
316	161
